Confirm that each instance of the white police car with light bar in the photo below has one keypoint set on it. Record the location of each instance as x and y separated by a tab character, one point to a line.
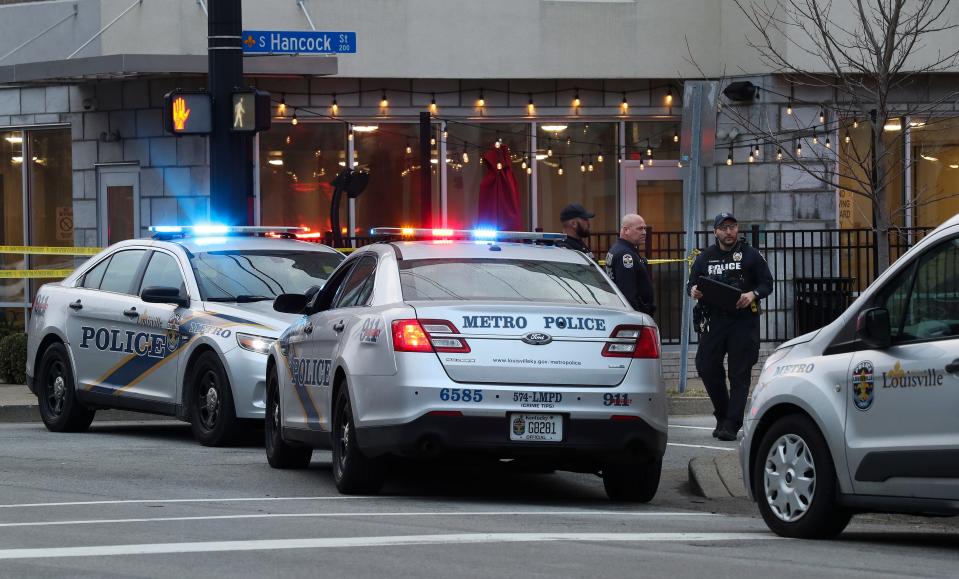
179	324
468	342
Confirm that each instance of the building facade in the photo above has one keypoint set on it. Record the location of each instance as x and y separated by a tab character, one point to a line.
578	101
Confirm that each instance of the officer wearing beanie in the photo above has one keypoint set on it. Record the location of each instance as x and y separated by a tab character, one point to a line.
733	332
628	270
575	221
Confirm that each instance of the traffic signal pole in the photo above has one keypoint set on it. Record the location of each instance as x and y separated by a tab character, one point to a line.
231	174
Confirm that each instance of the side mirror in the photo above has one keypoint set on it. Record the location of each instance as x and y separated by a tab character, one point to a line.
872	327
164	295
290	303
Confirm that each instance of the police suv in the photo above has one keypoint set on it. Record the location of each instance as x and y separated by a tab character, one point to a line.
863	414
179	324
469	344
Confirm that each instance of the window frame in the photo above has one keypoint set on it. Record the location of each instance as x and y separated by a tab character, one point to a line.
334	305
137	275
184	289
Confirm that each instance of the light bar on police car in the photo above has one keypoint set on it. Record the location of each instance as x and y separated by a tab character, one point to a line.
214	229
477	234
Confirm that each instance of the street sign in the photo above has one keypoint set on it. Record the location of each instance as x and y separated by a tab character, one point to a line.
251	111
298	42
187	113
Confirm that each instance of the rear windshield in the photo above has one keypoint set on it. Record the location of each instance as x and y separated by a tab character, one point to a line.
505	280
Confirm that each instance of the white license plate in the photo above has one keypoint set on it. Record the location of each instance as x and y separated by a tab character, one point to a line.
536	427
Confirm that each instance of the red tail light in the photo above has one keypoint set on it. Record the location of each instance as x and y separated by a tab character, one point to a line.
427	336
644	343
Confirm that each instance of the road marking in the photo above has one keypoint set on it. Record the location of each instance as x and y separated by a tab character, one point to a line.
701	446
386	541
359	514
692	427
159	501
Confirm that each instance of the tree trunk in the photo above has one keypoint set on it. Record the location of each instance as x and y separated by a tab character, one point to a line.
880	210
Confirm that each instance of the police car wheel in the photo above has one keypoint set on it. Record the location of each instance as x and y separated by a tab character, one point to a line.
632	481
57	396
795	481
353	473
279	453
212	415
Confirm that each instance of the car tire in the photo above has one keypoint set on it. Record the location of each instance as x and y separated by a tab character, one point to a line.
212	414
795	482
57	394
634	482
353	472
280	453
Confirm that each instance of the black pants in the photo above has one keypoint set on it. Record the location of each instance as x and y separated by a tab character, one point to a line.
738	337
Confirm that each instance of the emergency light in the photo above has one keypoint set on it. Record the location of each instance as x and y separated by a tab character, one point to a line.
171	231
475	234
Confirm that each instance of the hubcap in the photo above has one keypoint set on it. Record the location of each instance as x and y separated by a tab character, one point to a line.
211	400
208	403
344	438
58	391
789	478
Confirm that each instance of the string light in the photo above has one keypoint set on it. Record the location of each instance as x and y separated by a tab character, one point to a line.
855	123
499	166
828	144
481	102
433	103
523	165
294	121
559	171
409	150
729	157
349	135
822	116
679	164
675	137
530	107
445	132
549	151
752	157
779	154
466	157
383	101
498	143
815	138
669	96
582	166
624	105
649	161
799	149
576	101
649	150
529	170
846	138
589	167
599	157
334	107
642	167
281	110
789	108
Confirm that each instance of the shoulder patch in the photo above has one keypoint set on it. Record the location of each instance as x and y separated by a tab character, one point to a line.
627	260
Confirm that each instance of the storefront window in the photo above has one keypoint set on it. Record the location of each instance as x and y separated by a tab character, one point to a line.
388	151
50	198
12	291
660	137
297	164
473	198
935	170
574	147
855	161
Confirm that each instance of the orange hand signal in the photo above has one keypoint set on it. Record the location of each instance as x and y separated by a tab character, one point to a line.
180	113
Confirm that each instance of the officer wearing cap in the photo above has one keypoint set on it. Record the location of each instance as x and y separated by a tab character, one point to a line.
733	332
628	270
575	220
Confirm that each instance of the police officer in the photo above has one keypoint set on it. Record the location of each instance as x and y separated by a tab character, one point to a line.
729	332
575	220
627	268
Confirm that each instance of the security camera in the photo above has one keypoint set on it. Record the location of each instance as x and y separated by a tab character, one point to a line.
89	104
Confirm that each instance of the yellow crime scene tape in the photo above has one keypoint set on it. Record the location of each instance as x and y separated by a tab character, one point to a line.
34	273
33	250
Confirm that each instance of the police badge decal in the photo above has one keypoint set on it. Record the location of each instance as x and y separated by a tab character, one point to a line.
627	261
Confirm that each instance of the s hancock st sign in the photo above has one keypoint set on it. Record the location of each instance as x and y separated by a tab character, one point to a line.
298	42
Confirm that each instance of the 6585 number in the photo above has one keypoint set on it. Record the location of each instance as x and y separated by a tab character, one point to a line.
461	395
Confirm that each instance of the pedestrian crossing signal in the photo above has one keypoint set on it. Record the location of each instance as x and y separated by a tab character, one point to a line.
250	111
187	113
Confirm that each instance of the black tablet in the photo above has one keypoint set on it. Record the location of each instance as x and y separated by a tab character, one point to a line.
719	294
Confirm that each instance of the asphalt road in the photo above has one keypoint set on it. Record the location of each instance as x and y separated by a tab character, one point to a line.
144	500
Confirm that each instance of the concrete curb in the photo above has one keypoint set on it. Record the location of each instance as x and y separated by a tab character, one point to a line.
31	413
717	477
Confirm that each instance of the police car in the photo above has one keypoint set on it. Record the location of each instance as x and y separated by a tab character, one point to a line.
179	324
468	344
863	415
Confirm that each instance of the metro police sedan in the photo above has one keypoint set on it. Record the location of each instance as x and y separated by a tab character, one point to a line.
455	346
178	325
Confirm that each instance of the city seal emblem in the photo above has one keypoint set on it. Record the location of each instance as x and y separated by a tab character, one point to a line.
863	385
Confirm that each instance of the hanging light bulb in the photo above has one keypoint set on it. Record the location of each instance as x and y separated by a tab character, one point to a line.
789	108
855	123
799	149
560	170
589	167
752	158
409	150
729	157
334	106
675	137
529	170
779	154
466	157
649	150
433	103
846	138
549	152
383	101
281	110
756	152
625	105
828	144
432	141
679	164
822	116
445	132
576	101
815	138
499	166
582	166
669	96
498	143
523	164
294	121
642	166
619	160
599	157
530	107
349	135
649	161
481	102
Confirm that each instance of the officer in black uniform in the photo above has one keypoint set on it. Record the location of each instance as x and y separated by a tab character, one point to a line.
729	332
628	270
575	220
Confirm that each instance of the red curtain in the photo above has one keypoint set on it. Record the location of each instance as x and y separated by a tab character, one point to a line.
499	194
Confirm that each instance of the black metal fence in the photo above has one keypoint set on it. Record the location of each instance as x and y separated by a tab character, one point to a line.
816	272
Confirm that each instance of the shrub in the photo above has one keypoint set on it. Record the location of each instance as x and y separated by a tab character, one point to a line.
13	358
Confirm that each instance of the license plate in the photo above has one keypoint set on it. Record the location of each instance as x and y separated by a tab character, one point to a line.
536	427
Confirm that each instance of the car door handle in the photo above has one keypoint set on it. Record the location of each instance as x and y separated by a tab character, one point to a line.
131	313
338	326
76	305
953	368
308	329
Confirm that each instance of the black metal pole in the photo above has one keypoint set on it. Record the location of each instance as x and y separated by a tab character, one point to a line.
426	171
231	175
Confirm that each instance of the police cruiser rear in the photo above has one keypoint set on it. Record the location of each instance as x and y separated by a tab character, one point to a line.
861	415
179	325
469	346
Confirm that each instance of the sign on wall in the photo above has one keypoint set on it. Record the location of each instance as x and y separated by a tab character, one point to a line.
298	42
